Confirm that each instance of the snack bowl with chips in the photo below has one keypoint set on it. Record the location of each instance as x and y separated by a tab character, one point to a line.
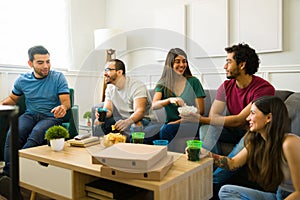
185	110
112	138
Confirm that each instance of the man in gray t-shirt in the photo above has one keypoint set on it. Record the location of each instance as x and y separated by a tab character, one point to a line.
129	96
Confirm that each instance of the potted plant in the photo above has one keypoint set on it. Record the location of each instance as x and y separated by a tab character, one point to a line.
87	115
56	135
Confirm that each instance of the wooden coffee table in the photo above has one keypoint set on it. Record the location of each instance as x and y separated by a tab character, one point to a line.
63	175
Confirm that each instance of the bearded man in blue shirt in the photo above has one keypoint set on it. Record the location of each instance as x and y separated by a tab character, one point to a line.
47	100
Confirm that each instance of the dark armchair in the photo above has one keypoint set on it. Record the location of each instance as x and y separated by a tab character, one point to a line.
70	121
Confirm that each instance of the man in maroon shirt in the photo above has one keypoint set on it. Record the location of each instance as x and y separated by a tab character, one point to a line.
233	97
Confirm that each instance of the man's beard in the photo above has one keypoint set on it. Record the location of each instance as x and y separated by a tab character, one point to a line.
230	77
41	73
234	74
110	79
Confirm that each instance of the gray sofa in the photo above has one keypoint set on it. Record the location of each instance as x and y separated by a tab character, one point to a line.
291	99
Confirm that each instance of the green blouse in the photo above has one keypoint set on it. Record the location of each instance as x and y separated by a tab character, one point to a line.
193	89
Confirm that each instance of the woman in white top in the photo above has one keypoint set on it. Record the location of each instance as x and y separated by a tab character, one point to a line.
272	154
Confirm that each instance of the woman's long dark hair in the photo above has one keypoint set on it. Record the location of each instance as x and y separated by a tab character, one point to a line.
265	156
167	78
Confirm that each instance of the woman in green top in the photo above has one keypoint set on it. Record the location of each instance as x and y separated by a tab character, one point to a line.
178	87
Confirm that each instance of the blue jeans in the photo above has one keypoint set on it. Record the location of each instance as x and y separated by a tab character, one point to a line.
239	192
232	192
171	131
211	135
151	130
177	134
32	129
281	194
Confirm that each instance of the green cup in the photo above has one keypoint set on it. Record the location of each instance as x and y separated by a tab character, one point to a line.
193	149
137	137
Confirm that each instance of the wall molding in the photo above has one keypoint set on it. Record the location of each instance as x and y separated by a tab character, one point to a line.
208	70
280	68
18	69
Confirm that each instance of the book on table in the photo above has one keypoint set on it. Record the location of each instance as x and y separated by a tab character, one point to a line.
97	196
84	142
111	189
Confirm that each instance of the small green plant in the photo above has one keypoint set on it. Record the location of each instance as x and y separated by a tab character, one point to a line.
87	115
56	132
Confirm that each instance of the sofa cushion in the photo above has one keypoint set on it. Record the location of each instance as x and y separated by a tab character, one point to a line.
283	94
208	100
293	106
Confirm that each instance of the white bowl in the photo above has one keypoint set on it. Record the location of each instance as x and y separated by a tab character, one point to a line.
185	110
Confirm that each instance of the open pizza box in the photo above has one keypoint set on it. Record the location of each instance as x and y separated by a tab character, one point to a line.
138	161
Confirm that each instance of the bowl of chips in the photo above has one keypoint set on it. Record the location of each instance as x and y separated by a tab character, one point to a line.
185	110
112	138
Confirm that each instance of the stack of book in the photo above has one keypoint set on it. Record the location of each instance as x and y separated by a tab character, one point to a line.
106	189
84	142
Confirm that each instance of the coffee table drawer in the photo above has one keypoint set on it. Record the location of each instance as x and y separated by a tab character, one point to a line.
50	178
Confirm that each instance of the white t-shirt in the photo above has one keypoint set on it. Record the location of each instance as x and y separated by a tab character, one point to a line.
123	99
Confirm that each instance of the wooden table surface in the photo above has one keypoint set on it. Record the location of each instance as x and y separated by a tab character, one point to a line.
80	160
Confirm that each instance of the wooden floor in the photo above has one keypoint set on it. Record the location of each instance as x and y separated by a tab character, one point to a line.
26	195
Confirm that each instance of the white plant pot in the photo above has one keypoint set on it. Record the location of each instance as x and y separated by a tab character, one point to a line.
57	144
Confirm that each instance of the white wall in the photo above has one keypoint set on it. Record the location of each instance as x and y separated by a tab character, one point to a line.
276	67
86	16
148	25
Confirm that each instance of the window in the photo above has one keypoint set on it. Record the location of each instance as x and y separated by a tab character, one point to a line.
34	22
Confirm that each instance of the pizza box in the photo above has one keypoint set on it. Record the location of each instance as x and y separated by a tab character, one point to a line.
157	173
129	156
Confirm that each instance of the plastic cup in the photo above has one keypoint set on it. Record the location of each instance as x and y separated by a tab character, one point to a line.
138	137
102	114
161	142
193	149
